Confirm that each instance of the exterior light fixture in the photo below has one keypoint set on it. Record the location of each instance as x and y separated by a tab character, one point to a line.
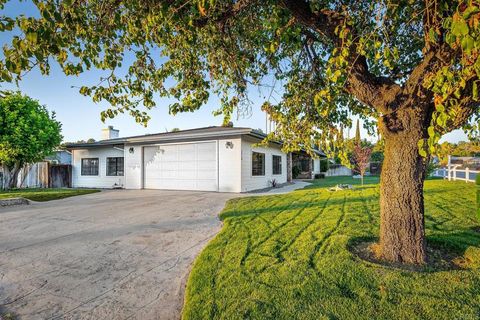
229	145
131	150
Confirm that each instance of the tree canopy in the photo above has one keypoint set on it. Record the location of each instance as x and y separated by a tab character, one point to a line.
28	132
330	59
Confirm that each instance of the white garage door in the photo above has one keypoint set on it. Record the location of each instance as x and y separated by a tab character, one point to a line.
191	166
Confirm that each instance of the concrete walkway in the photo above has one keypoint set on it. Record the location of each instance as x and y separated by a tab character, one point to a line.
297	184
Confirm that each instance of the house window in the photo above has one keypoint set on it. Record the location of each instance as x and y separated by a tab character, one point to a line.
305	165
115	166
90	167
258	164
276	164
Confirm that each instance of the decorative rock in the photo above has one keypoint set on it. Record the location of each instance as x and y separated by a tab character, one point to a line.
13	202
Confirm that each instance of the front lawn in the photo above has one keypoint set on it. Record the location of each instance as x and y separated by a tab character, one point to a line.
287	257
44	194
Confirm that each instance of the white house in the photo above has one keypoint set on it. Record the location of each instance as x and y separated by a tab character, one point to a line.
223	159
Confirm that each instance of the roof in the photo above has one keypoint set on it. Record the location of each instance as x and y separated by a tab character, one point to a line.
190	134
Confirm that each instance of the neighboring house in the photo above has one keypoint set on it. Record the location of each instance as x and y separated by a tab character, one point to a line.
223	159
60	157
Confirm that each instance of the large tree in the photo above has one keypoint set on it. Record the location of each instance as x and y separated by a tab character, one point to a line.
409	67
28	133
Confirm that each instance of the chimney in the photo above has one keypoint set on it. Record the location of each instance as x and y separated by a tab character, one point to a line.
109	133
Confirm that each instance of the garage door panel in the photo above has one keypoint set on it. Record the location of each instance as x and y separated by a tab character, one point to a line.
190	166
206	185
207	165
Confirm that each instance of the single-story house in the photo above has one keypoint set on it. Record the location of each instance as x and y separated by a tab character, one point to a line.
223	159
60	157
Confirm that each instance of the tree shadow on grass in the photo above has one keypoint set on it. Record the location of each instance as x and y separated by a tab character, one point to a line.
6	315
446	251
296	205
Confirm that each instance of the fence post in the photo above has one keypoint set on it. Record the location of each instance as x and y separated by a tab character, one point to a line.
454	173
467	174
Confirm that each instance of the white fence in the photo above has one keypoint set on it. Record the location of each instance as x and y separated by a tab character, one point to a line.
454	172
338	171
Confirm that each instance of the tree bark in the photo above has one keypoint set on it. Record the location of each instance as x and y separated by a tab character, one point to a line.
12	174
402	227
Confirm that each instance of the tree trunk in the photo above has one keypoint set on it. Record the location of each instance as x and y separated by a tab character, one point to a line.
12	174
402	227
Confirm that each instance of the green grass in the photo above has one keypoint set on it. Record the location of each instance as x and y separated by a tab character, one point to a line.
286	257
44	194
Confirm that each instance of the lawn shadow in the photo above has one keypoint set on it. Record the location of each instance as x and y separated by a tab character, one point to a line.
6	315
296	205
445	252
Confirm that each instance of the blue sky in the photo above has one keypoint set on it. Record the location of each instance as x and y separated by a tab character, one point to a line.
80	117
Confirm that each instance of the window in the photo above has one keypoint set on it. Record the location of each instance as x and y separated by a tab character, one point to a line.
258	164
305	165
115	166
90	167
276	164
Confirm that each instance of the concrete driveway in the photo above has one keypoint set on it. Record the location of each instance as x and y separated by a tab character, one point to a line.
112	255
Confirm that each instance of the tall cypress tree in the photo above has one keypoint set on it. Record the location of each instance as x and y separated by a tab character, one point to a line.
357	133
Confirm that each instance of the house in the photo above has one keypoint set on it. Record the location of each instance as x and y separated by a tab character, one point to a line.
223	159
60	157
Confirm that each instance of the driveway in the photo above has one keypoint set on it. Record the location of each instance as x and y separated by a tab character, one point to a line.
112	255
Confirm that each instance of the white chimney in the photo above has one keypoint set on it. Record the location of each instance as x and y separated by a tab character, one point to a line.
109	133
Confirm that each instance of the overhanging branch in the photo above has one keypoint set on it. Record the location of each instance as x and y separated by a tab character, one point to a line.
370	89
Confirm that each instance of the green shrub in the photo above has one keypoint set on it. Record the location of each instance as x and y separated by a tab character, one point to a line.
295	172
477	181
323	165
431	167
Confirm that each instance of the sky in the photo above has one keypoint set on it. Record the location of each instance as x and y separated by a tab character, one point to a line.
80	116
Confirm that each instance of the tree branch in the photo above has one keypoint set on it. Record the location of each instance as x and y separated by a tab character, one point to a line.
228	13
372	90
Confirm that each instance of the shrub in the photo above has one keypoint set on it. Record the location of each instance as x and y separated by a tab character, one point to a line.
295	172
477	181
320	176
324	165
431	167
273	183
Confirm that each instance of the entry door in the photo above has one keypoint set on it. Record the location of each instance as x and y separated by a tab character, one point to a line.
191	166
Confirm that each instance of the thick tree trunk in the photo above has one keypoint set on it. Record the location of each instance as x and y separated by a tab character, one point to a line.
402	228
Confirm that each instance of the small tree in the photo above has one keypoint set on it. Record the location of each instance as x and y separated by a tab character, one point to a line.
361	159
28	134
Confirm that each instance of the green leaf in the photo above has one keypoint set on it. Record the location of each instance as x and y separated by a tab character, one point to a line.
468	44
475	90
459	27
422	153
31	37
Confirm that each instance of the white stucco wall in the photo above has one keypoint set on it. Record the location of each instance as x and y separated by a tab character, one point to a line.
316	166
230	166
250	182
102	180
133	167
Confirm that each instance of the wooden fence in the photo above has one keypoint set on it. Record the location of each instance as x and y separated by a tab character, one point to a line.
42	175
